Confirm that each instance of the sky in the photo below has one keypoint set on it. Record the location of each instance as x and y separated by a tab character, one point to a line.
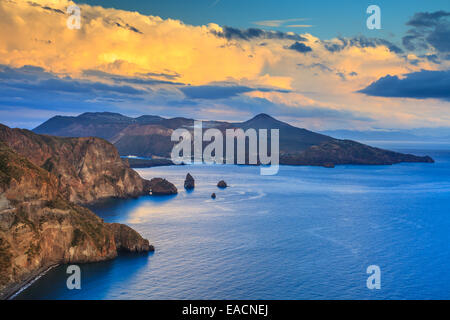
324	18
314	64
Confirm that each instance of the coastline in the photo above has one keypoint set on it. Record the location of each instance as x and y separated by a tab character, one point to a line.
10	292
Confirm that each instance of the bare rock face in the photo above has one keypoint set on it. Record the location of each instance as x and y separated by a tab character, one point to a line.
189	182
160	186
40	228
222	184
129	240
87	169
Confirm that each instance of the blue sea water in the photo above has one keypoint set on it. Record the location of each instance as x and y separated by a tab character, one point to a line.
306	233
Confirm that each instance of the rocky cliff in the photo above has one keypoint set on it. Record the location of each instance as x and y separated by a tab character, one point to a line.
160	187
87	169
39	227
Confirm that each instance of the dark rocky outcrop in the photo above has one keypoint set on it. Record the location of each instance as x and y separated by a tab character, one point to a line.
129	240
189	182
160	186
39	227
222	184
213	195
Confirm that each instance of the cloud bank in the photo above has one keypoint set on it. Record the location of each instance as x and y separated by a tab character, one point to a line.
418	85
133	63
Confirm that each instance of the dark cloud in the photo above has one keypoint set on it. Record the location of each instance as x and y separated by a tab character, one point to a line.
127	26
341	75
255	33
321	66
431	57
146	78
34	4
213	92
72	86
169	76
430	29
418	85
146	81
36	78
33	87
360	42
300	47
427	19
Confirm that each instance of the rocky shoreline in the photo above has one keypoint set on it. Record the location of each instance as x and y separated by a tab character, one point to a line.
44	181
9	293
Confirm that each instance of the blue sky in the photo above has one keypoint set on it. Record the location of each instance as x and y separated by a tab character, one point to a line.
329	18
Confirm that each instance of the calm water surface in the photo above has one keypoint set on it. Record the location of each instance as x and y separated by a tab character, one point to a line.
306	233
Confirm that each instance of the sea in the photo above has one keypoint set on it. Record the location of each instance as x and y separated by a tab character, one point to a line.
305	233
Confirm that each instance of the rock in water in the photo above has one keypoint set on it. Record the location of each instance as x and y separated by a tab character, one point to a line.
129	240
213	196
189	182
222	184
159	186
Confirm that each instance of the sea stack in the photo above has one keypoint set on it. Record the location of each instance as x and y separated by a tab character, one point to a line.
189	182
159	186
222	184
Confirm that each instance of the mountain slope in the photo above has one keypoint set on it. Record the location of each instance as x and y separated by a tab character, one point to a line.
297	146
336	152
291	138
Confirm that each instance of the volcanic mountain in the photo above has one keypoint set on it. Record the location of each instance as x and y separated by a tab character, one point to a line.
149	136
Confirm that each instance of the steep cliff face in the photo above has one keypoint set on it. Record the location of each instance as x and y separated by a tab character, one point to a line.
39	227
127	239
87	169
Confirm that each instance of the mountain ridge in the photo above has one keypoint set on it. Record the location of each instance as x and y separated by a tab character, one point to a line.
298	146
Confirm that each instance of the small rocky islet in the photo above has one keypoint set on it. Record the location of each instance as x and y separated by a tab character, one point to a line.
189	182
222	184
